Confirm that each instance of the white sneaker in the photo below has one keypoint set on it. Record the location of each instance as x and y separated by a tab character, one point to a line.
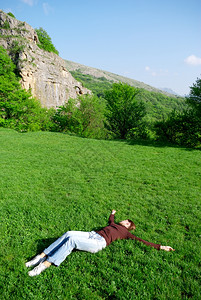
35	261
37	270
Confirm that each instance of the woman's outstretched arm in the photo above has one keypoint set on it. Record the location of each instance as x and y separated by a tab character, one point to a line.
166	248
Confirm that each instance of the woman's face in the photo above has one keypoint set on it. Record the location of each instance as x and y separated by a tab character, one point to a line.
125	223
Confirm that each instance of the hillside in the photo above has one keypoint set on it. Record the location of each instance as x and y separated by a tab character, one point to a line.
41	71
158	104
50	77
72	66
53	81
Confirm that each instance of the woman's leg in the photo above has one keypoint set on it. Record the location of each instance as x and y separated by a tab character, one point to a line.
40	259
53	247
60	241
86	241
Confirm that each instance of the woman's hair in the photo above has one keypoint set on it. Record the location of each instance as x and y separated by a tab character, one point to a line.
132	225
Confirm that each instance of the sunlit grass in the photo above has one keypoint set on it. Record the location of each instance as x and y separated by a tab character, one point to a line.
51	183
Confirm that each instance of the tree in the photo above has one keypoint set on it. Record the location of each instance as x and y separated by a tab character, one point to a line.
124	113
18	109
45	41
194	98
184	128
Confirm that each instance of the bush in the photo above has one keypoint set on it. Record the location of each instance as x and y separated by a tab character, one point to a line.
184	128
6	25
180	128
45	41
83	116
194	98
19	110
11	15
7	67
15	50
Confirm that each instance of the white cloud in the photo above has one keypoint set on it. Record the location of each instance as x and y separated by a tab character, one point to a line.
47	8
193	60
29	2
148	69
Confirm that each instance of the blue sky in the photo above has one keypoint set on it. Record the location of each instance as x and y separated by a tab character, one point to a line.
157	42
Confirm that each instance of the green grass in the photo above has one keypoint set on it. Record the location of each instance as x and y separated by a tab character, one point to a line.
53	182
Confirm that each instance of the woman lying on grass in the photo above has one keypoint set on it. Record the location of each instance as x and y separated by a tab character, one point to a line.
93	242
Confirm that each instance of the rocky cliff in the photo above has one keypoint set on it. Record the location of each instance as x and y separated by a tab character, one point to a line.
41	71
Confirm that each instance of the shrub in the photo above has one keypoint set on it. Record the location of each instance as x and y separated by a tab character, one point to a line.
15	50
194	98
83	116
184	128
6	65
45	41
180	128
6	25
66	119
11	15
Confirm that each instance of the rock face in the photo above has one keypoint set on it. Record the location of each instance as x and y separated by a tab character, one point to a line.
41	71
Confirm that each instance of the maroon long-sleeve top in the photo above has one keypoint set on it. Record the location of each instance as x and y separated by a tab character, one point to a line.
115	231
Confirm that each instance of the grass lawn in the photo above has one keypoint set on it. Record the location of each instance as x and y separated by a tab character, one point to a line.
51	183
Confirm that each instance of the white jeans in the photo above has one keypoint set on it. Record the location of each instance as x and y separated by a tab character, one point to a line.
63	246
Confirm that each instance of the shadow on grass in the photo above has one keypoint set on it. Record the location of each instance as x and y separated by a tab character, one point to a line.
159	144
147	143
44	243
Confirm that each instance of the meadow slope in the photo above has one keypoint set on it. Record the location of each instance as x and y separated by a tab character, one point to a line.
53	182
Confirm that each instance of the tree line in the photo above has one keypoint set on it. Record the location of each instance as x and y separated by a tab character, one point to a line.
158	105
117	113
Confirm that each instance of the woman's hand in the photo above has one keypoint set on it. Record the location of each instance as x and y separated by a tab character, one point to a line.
113	212
167	248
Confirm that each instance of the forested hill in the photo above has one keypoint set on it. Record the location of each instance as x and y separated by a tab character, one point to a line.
158	103
72	66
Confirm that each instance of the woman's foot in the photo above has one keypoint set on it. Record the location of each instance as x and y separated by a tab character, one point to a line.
35	261
40	268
